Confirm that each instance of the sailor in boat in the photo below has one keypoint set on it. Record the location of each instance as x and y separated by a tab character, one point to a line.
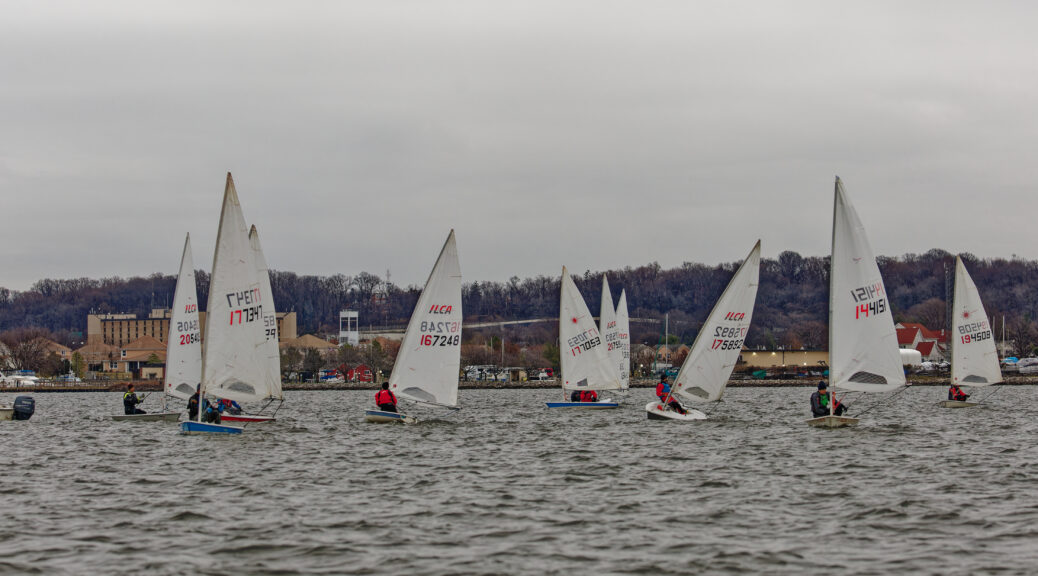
584	396
820	402
955	393
229	406
663	390
131	400
212	414
385	399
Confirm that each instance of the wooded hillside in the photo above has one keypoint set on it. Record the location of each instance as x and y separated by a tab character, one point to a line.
791	305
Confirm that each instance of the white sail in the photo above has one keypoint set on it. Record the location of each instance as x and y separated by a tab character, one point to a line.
585	362
863	350
623	328
705	373
608	327
184	342
233	354
270	321
429	362
974	359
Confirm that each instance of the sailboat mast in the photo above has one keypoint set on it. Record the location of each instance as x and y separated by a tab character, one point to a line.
832	297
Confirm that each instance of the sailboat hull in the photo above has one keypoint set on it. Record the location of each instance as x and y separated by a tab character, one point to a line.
197	428
248	418
153	417
381	417
603	405
832	422
956	404
657	411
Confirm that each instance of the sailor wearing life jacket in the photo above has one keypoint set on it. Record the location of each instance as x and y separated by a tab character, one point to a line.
663	391
588	396
820	402
130	401
385	399
956	393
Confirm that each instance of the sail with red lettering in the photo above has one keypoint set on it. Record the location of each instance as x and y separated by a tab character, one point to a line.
623	329
429	362
704	375
863	350
608	326
585	363
184	343
974	358
234	359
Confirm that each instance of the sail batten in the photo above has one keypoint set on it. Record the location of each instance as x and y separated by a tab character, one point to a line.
863	349
974	358
428	364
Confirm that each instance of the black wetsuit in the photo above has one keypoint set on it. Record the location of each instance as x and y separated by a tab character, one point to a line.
130	402
818	409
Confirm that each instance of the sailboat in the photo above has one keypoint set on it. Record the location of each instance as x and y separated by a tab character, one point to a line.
623	329
863	351
234	362
974	358
183	344
428	365
704	375
610	329
585	363
271	352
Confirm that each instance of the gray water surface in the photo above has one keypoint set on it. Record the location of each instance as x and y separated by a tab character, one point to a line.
508	486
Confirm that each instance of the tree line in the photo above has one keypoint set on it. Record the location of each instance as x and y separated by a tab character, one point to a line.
791	309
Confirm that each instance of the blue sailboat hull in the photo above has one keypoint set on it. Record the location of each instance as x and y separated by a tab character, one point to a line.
192	427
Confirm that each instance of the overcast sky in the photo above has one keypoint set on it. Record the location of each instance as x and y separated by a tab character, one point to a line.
593	134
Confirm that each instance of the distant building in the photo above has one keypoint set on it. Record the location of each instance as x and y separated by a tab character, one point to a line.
349	329
63	352
783	358
308	341
120	329
100	357
932	344
144	358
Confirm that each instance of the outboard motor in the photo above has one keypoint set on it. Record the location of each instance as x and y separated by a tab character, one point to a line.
24	406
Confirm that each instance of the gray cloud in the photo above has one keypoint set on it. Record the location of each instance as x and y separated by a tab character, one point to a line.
591	134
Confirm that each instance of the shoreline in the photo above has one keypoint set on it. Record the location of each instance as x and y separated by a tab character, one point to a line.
156	386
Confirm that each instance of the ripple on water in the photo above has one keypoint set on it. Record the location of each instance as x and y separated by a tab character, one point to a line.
530	490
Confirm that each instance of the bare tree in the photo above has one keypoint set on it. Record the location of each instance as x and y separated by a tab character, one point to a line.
29	347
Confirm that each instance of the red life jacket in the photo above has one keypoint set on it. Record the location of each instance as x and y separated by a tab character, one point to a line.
958	394
659	391
385	397
588	396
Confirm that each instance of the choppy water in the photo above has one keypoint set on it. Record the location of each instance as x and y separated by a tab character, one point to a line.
507	486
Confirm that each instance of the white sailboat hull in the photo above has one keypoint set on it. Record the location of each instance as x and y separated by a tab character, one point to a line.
381	417
657	411
832	422
957	404
154	417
